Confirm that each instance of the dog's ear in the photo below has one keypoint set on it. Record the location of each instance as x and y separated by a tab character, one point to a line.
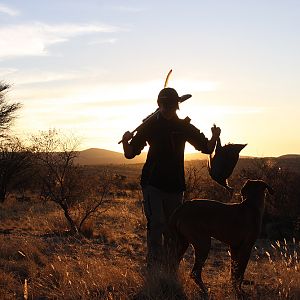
245	188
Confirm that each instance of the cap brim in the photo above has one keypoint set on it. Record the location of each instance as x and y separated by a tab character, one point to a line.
184	97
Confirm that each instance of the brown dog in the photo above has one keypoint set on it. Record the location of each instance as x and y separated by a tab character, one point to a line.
237	225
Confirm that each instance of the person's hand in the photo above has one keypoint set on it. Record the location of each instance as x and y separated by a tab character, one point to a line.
216	131
127	136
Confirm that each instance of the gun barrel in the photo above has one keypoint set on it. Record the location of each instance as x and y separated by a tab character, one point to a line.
145	120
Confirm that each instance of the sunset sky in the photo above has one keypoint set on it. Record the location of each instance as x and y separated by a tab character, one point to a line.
94	68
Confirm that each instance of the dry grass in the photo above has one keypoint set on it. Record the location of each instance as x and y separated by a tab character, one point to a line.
110	265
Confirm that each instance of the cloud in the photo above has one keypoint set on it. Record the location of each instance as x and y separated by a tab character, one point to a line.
89	91
34	39
191	85
235	110
129	9
143	90
7	71
220	111
8	11
36	76
33	77
103	41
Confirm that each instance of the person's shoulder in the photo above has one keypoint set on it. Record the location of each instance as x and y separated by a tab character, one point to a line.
186	122
187	126
148	124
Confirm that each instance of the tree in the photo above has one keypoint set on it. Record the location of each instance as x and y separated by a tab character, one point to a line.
57	172
7	110
14	158
15	165
285	201
64	182
97	189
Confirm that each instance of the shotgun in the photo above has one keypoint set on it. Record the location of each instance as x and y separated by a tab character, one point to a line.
182	99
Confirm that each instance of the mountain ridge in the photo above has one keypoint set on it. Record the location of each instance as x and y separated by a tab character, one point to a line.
99	156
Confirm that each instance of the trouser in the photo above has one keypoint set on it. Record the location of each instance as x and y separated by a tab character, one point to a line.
158	207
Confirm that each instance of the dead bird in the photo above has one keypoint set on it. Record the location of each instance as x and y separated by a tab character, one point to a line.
223	162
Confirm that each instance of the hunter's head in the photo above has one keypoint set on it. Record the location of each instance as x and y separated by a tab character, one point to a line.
168	101
168	98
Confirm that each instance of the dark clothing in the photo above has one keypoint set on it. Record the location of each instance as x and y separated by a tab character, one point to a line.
158	208
164	167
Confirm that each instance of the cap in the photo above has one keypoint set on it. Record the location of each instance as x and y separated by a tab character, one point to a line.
169	98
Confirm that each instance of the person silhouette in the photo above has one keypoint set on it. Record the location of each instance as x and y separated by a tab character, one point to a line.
162	179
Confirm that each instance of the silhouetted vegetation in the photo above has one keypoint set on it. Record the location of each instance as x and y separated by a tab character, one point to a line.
7	110
15	166
78	193
14	157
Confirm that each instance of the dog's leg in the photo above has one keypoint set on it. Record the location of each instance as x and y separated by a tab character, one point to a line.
201	247
239	260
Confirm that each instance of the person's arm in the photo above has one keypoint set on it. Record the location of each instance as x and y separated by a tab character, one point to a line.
216	131
199	141
136	144
128	149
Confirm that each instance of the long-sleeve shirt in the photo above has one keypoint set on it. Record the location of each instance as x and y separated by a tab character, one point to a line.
164	167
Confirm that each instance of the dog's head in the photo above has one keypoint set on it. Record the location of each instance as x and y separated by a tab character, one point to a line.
254	188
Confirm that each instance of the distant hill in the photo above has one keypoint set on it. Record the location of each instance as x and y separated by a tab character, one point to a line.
96	156
195	156
290	161
288	156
